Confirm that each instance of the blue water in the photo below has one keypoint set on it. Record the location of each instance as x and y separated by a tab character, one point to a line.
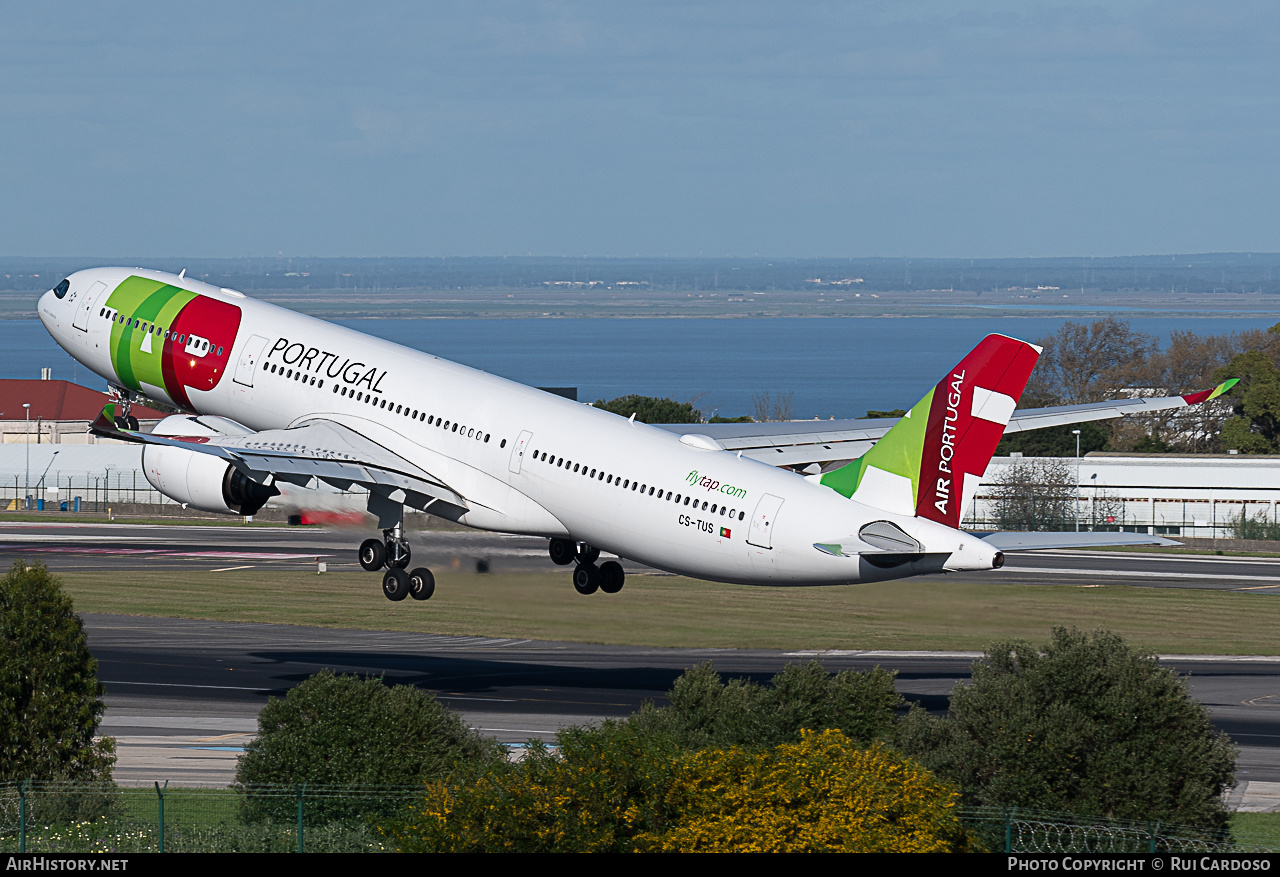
835	368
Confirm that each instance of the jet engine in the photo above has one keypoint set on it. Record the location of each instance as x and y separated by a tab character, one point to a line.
202	481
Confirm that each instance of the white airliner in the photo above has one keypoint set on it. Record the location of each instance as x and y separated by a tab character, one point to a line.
274	396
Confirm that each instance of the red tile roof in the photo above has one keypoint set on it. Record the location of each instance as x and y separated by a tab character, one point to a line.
58	400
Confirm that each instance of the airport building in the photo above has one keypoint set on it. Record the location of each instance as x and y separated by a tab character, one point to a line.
1203	495
56	412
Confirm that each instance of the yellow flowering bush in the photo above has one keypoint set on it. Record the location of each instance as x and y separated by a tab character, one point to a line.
818	794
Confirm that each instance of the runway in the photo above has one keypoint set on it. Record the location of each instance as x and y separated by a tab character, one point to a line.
128	546
183	696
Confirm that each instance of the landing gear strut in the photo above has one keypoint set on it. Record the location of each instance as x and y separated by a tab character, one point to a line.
124	404
392	553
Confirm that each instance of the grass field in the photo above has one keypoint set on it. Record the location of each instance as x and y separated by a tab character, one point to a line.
953	613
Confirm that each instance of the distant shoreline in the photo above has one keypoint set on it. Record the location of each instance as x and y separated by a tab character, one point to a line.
613	304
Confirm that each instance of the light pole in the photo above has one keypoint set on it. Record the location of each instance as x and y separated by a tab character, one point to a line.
1076	433
1094	477
26	479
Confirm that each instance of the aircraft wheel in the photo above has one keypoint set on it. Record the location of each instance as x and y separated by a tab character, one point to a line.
586	579
373	555
611	577
561	551
395	584
587	554
132	422
422	584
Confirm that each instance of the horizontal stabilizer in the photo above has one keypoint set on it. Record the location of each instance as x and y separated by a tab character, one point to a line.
1014	541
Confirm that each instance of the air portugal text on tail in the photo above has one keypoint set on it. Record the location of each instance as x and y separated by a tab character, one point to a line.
967	416
931	463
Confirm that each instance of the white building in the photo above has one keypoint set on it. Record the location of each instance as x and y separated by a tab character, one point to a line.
1164	494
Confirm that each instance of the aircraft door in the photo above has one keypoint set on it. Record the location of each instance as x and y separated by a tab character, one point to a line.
249	358
761	532
517	453
84	307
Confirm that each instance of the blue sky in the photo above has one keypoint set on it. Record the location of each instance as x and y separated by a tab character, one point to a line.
650	128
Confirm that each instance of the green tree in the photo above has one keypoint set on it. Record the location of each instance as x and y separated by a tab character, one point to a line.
49	691
707	711
1255	428
347	730
649	409
1054	441
1086	725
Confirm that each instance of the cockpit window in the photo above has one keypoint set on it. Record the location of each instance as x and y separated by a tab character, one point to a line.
61	289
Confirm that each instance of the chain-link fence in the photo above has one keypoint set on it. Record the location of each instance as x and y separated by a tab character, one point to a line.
82	818
63	817
82	491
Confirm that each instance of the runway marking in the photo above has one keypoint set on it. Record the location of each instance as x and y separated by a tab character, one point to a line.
1144	574
231	568
1149	556
164	552
186	685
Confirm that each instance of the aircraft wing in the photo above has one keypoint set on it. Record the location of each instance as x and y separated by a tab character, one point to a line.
802	442
316	449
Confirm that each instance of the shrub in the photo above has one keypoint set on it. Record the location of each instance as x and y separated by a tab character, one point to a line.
650	409
51	696
820	794
705	711
601	787
1085	725
617	789
345	730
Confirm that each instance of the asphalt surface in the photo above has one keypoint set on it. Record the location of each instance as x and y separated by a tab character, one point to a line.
183	696
125	546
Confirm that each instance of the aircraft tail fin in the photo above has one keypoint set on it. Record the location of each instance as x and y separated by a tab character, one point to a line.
932	461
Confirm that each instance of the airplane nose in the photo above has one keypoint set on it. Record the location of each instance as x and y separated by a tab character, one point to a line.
45	307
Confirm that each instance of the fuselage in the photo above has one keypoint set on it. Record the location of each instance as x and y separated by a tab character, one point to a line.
525	461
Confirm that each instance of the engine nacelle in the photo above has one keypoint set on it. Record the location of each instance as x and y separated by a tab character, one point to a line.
203	481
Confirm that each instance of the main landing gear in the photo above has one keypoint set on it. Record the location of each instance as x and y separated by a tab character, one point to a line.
587	577
392	552
124	404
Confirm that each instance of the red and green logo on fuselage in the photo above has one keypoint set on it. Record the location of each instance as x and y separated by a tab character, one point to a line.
169	338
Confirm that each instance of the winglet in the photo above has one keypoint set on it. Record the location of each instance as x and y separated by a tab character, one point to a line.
106	419
105	425
1206	395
